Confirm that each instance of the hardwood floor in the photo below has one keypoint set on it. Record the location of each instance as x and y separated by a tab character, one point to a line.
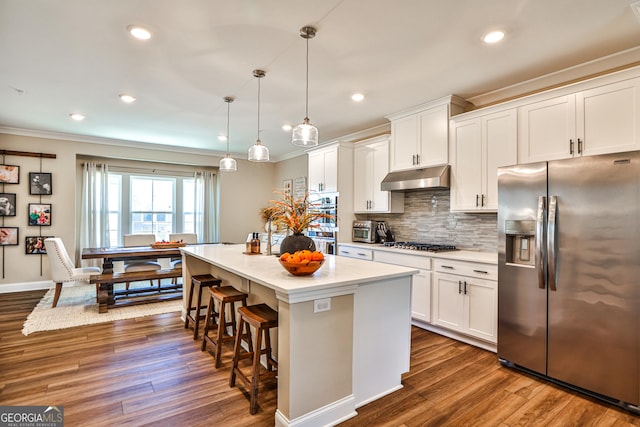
149	371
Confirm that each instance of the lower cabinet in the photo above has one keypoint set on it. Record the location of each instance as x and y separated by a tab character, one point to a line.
464	302
421	284
355	252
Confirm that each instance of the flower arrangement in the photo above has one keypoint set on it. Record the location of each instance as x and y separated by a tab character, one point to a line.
294	214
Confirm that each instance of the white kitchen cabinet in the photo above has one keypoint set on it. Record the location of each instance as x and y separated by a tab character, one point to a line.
370	166
420	137
421	282
355	252
465	298
480	145
323	169
597	120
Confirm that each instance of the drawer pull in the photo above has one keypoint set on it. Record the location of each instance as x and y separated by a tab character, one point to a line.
362	254
481	271
447	267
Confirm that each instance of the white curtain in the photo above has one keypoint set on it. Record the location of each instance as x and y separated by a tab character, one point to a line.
94	217
205	209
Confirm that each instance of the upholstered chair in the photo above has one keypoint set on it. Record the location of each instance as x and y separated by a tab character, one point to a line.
188	238
140	265
62	268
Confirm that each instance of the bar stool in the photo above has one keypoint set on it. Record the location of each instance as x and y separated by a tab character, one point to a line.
225	296
201	281
263	318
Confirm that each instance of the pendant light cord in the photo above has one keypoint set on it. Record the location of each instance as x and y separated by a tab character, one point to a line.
258	109
228	108
307	100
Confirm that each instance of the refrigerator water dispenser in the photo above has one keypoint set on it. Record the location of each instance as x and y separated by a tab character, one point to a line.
520	240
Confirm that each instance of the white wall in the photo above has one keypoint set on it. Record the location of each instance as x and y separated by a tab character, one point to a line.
242	195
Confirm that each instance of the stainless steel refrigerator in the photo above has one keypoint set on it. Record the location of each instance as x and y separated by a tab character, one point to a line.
569	273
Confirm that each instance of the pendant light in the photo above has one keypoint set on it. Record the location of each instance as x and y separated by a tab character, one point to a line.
258	152
227	163
305	134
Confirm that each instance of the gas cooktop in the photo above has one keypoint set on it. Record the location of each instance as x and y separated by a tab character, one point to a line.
417	246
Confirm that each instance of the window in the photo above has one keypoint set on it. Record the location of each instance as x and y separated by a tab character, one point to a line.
148	203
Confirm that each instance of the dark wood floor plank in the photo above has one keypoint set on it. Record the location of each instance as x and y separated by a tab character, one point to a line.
150	372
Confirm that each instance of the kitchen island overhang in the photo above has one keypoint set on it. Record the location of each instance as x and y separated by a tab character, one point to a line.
330	362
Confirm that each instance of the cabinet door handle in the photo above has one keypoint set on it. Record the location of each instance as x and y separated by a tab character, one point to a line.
447	267
465	287
579	146
480	271
459	286
482	201
413	160
571	146
477	197
417	159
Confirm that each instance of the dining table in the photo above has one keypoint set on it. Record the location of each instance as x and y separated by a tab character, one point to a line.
108	297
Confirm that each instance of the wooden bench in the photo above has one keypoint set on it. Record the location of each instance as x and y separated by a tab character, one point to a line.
109	298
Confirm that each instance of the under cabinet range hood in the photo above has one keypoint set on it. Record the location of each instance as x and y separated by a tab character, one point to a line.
415	179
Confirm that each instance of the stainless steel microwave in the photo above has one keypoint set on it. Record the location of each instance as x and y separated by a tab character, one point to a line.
363	231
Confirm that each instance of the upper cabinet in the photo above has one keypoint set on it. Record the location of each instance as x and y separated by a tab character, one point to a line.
323	170
479	146
598	120
370	166
420	136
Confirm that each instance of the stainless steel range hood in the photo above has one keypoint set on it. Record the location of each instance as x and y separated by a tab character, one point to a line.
432	177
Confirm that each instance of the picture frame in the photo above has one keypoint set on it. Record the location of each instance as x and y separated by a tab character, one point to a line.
40	183
7	204
39	214
287	186
9	236
34	245
9	174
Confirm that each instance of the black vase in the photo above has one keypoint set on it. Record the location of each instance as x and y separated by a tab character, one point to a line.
297	242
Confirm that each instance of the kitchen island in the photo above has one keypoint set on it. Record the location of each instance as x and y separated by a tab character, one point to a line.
344	333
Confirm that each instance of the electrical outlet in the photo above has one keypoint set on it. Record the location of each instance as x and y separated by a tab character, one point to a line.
323	304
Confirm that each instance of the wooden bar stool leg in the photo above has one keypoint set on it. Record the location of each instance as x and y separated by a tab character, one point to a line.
255	378
186	318
236	352
196	317
222	326
208	321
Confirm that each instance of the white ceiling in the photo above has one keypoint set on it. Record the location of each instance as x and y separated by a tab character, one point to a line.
59	57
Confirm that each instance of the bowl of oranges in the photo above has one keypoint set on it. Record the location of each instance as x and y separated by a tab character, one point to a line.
302	263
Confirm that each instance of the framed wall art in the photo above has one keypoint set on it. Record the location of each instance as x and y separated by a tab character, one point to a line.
287	186
7	204
9	174
40	183
40	214
8	236
34	245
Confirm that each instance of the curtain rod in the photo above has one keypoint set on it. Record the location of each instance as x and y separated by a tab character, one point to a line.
116	168
26	154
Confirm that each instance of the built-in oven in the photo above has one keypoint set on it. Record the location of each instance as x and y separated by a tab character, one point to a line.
363	231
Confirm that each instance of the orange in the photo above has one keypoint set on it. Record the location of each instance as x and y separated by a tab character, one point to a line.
317	256
284	256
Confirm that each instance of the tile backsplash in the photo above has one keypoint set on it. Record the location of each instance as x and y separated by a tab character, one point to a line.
426	218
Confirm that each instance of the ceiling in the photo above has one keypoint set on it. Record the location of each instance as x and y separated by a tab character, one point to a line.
62	57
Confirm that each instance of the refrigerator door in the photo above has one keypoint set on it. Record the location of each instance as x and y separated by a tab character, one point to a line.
522	293
594	296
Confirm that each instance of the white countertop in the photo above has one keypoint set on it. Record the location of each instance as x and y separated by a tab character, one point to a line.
339	275
460	255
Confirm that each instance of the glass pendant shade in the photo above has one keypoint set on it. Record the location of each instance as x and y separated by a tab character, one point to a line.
305	134
228	164
258	152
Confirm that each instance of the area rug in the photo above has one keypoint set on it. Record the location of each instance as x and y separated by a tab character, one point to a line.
77	306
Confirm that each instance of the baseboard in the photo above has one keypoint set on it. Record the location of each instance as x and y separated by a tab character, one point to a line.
492	347
329	415
25	286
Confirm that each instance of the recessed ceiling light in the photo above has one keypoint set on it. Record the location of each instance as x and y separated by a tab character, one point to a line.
357	97
139	32
286	128
493	37
127	98
77	117
222	138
